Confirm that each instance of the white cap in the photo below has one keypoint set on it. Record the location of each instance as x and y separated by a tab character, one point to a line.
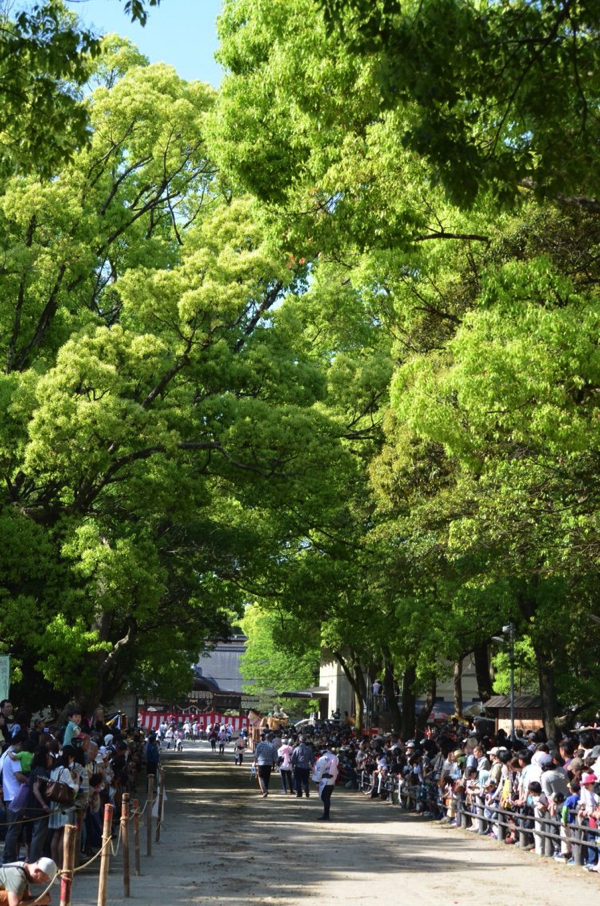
48	866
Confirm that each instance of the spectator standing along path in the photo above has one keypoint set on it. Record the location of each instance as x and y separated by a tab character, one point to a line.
265	757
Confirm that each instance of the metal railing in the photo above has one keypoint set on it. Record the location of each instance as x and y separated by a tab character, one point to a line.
534	827
549	834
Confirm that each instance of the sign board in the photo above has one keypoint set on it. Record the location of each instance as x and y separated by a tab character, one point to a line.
4	676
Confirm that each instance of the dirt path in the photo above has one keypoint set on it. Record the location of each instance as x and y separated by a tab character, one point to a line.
222	843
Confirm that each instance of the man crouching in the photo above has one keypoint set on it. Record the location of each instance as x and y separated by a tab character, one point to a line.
15	878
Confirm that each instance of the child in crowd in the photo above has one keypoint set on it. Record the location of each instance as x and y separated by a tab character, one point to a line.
589	813
490	795
447	786
568	813
540	808
24	756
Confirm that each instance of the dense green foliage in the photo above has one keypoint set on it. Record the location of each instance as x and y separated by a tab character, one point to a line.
146	398
277	658
326	341
438	161
45	58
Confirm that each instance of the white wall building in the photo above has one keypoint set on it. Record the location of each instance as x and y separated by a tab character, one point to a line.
341	694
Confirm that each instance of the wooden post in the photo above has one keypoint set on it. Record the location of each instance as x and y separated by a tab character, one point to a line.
105	859
149	804
161	794
125	836
136	837
66	878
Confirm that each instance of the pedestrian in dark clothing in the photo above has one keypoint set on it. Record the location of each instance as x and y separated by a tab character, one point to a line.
265	757
302	760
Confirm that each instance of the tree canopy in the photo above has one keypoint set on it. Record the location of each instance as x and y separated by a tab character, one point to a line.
323	342
45	60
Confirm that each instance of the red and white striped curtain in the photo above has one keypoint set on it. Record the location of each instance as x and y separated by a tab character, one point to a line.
151	720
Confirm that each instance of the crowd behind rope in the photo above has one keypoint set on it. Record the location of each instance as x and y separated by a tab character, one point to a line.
53	776
526	791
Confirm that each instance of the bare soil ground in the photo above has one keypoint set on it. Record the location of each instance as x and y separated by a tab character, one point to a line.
222	844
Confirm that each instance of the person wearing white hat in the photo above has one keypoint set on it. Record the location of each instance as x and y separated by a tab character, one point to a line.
15	878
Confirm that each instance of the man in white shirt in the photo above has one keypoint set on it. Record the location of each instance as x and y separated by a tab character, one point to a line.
12	779
326	771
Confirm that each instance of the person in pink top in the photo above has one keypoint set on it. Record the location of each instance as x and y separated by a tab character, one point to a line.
285	767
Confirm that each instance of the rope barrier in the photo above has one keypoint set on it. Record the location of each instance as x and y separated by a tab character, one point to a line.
107	847
23	820
92	858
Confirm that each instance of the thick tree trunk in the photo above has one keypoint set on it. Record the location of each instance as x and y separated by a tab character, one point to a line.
545	658
481	656
551	712
355	676
409	701
359	717
360	694
457	682
429	703
389	693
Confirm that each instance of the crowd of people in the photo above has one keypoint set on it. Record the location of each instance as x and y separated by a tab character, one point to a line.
518	790
506	788
298	762
60	773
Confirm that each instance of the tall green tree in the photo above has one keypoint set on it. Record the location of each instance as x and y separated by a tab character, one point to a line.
278	657
147	398
415	178
45	59
494	96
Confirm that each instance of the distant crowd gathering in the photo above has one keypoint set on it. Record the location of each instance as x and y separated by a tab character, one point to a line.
58	774
524	790
517	783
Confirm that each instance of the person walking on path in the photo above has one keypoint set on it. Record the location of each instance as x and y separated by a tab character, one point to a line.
302	760
326	771
152	756
240	748
285	768
265	757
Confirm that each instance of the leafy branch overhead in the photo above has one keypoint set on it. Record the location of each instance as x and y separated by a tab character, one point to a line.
318	349
45	60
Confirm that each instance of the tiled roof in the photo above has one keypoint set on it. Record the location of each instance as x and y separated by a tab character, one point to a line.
521	701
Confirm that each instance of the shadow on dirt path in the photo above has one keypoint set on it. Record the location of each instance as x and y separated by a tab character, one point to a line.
221	842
